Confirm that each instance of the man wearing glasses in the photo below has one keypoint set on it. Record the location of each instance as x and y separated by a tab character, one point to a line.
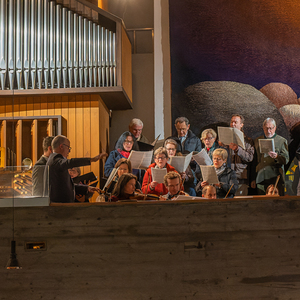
186	140
61	186
270	165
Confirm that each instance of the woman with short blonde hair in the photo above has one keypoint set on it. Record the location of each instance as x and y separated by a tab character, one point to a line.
208	138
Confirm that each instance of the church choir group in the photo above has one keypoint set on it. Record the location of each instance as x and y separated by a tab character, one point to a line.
238	169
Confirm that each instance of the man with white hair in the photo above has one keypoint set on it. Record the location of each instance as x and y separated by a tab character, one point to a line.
61	186
270	165
136	128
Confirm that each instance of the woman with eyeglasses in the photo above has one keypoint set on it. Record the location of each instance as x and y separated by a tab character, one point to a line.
122	150
208	138
228	183
188	177
160	162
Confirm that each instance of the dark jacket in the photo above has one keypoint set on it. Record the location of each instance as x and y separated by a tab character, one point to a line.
38	176
61	186
227	179
113	157
191	143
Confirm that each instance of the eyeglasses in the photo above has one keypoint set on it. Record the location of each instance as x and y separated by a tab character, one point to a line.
270	128
217	158
70	148
182	129
207	139
160	158
170	149
128	142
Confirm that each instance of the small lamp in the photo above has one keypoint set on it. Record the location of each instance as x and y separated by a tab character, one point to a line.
13	261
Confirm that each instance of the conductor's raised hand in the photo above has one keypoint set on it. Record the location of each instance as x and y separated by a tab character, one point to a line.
99	156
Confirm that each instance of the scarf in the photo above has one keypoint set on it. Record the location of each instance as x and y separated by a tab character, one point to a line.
124	153
220	170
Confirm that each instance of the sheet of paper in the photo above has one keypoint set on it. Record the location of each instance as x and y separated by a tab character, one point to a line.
209	174
239	137
140	159
112	175
158	174
183	197
225	135
202	158
181	163
229	135
266	145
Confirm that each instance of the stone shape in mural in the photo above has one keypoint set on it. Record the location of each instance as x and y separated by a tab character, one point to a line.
211	102
280	94
291	114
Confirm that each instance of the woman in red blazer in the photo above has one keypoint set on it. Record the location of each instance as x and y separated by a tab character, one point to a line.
153	187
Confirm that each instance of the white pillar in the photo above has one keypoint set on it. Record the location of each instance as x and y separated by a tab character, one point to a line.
162	70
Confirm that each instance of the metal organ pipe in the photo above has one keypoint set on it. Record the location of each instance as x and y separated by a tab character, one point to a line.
64	58
52	43
19	39
75	43
11	44
26	46
58	45
70	45
3	43
46	45
39	27
33	42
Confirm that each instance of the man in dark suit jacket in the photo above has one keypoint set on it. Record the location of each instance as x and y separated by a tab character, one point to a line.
39	167
271	164
61	186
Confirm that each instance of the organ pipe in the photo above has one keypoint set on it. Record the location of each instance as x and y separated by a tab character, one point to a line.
46	45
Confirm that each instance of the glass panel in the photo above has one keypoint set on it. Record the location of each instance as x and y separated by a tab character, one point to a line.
16	187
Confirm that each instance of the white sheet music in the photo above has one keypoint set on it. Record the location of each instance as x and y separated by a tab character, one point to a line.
181	163
112	175
266	145
202	158
158	174
209	174
229	135
239	137
140	159
183	197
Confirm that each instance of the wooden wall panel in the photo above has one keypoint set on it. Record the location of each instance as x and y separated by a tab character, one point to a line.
50	105
18	137
44	105
9	107
87	129
86	117
72	124
37	105
3	131
2	107
30	111
23	106
78	128
16	107
34	141
58	105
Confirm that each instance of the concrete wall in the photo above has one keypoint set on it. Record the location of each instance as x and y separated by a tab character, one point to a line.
225	249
